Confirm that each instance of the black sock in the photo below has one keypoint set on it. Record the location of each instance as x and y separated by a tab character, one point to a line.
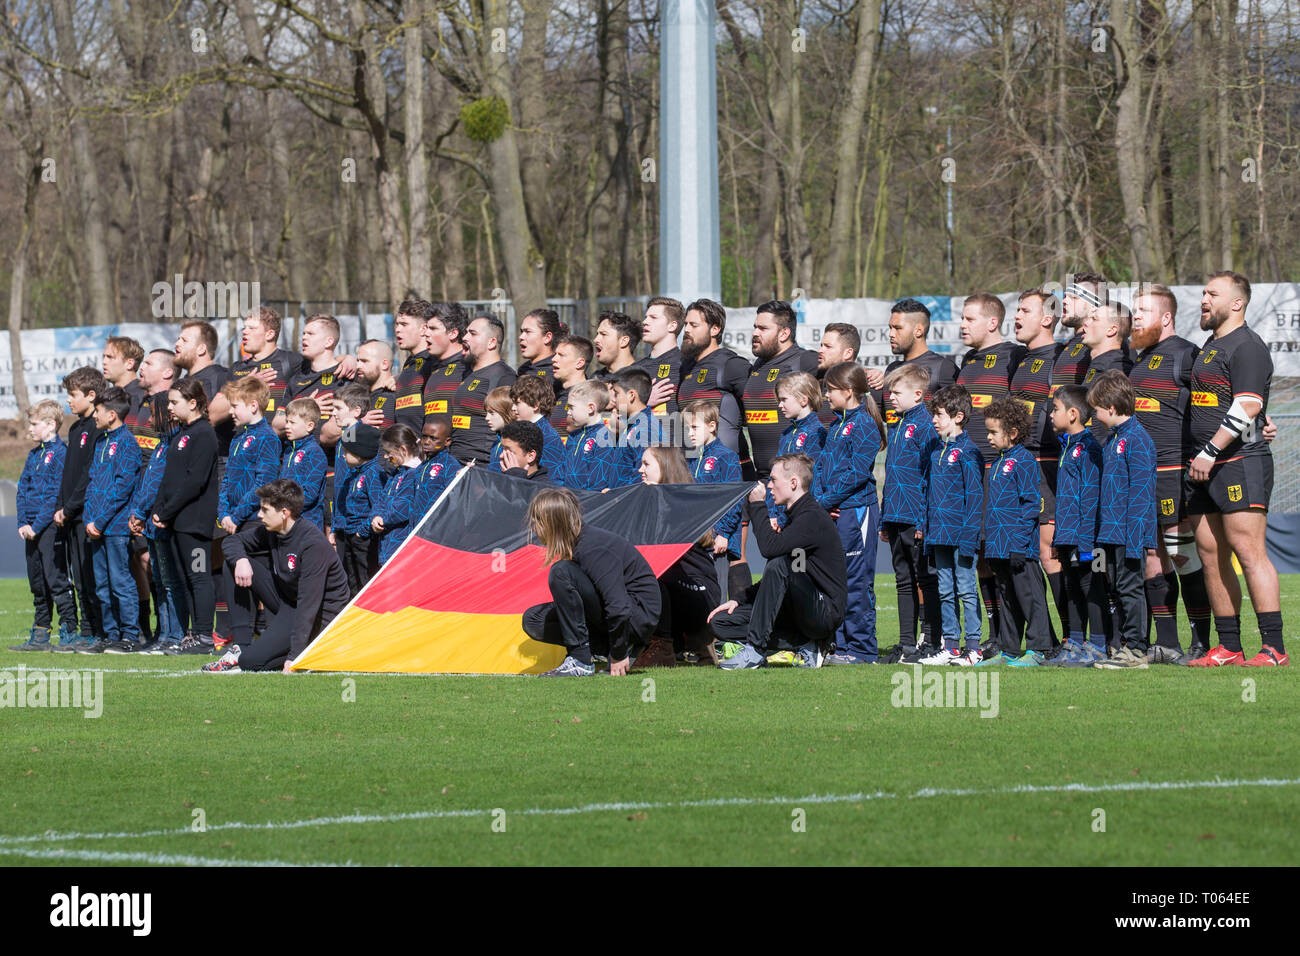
1196	600
1270	629
989	592
1229	631
1160	602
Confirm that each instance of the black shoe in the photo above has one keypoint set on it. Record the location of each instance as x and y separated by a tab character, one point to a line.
913	655
190	644
39	640
1197	650
157	647
123	647
1158	654
97	646
892	655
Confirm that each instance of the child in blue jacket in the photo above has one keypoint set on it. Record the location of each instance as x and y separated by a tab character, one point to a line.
591	460
954	521
1126	515
1011	538
38	491
844	483
710	462
902	512
359	498
394	514
169	590
304	459
254	456
113	471
799	397
1078	489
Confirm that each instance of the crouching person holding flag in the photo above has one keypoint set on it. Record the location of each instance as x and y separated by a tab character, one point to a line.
604	597
303	588
804	590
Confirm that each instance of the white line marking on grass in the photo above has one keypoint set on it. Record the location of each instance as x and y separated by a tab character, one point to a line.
157	859
924	793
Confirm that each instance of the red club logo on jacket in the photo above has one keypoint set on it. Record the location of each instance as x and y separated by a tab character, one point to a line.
84	436
112	449
1008	465
588	445
292	562
710	464
1120	446
911	430
848	430
361	480
297	459
798	442
953	456
435	471
49	456
248	442
185	440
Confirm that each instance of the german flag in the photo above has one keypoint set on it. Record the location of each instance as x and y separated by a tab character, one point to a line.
451	599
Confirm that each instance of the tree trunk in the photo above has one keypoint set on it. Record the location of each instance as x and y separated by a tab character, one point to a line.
103	308
417	182
848	150
17	280
1130	140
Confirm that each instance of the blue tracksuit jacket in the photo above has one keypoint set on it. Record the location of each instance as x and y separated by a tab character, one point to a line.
362	494
113	471
38	486
1127	511
397	508
714	463
254	460
304	462
146	490
1011	514
804	437
954	513
434	476
907	467
591	461
844	476
1078	491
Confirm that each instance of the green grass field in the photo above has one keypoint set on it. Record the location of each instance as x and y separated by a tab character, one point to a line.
776	766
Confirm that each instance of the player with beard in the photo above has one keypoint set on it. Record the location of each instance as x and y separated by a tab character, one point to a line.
839	343
1031	385
985	373
471	437
194	352
408	331
710	370
539	333
1105	332
1162	381
776	353
572	357
1230	479
617	337
444	335
909	331
1084	291
659	330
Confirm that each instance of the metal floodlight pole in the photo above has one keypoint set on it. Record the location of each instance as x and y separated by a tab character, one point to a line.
689	246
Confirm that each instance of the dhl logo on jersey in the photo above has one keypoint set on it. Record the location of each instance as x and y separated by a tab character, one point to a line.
760	418
460	421
981	401
436	407
407	401
1146	405
1205	399
1027	402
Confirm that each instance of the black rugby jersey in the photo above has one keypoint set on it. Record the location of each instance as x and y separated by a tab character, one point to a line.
1103	362
1072	363
942	369
445	376
1236	364
762	416
283	362
1032	385
669	366
1162	381
719	377
986	374
410	390
470	435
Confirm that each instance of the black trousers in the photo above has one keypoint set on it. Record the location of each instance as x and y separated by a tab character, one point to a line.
271	649
688	592
46	561
575	619
787	608
1023	597
360	557
193	552
243	601
1087	605
1128	589
912	572
82	575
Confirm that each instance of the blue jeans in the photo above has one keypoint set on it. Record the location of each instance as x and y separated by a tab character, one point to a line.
173	603
957	584
119	601
858	529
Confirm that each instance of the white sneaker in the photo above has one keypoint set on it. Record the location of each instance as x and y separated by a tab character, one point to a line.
228	664
967	659
810	655
942	656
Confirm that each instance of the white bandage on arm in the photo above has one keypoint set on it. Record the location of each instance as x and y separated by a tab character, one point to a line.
1238	419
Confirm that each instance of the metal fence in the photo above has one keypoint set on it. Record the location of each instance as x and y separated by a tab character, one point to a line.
1286	464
